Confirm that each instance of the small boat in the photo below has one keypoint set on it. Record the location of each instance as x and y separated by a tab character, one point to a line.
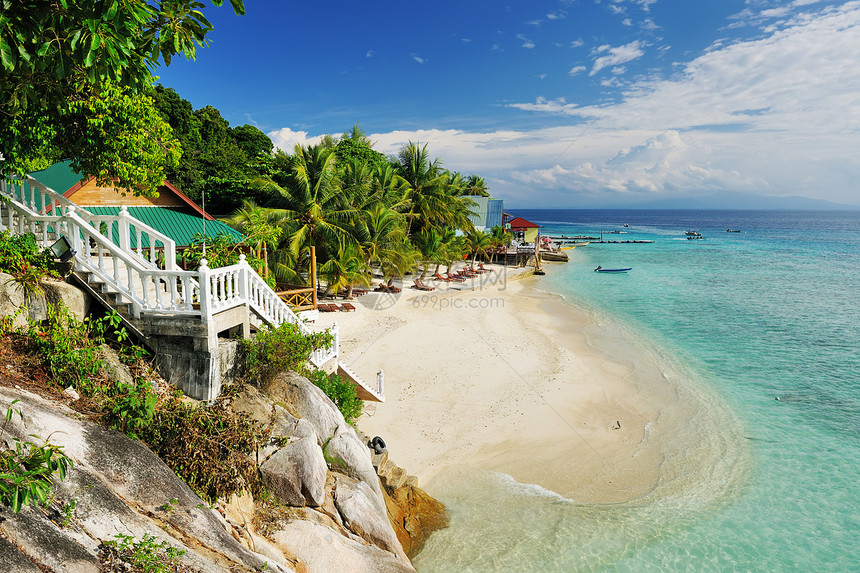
626	224
733	230
692	233
602	270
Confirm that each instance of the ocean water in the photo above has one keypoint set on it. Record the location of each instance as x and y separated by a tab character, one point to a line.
768	321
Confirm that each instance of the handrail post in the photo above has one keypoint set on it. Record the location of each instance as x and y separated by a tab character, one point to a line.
124	231
244	279
204	290
73	230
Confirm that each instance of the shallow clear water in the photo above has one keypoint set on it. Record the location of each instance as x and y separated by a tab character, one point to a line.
771	312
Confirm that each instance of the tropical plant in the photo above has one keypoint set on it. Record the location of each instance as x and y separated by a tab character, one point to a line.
500	237
314	209
261	227
480	243
345	270
73	77
26	470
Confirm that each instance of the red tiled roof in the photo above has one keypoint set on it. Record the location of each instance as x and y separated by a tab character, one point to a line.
520	223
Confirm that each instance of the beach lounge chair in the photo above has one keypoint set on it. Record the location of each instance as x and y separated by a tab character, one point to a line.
325	307
346	307
456	278
419	284
439	277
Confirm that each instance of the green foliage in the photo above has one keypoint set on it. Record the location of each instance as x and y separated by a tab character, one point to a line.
146	555
68	347
68	512
58	59
130	408
26	469
21	257
342	393
282	349
208	447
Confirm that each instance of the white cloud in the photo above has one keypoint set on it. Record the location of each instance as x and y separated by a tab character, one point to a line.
577	43
776	115
418	59
617	55
576	70
528	44
369	54
287	139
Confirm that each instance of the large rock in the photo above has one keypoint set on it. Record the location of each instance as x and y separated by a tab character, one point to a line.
321	550
346	450
121	488
414	516
301	398
296	474
361	512
13	298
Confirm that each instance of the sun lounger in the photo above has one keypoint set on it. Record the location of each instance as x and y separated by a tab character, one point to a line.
421	286
456	278
439	277
325	307
345	307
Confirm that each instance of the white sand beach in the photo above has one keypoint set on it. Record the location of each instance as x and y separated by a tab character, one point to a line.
495	374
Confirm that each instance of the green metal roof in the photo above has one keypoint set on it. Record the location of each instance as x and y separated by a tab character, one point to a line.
58	177
179	226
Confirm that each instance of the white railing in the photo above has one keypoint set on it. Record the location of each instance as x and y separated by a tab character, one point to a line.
103	248
138	282
377	393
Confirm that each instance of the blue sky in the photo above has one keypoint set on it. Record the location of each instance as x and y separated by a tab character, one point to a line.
558	103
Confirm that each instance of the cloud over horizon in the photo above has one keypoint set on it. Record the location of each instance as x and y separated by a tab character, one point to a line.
775	114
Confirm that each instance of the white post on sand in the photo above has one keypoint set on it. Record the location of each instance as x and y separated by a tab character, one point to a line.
380	382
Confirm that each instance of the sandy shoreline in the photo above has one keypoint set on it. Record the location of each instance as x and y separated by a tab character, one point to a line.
504	377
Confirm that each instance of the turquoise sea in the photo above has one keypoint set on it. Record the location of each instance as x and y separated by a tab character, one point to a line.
767	320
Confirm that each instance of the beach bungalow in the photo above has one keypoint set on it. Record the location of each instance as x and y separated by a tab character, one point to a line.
523	230
172	212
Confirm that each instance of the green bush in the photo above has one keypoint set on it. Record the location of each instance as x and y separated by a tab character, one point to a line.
282	349
21	257
210	448
146	555
342	393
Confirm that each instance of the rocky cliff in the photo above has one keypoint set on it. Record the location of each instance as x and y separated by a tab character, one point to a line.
325	508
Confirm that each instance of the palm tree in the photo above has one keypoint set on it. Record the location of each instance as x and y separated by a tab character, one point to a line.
501	237
346	270
383	240
476	186
480	242
430	245
261	226
313	206
425	186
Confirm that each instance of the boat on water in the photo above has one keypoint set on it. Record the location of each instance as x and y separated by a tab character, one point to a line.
733	230
600	269
692	233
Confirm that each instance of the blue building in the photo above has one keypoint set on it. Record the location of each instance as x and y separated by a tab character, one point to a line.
488	212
